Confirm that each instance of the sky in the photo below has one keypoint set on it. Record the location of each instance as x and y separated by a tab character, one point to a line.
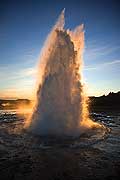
24	26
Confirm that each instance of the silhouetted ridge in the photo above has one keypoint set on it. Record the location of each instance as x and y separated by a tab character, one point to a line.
110	101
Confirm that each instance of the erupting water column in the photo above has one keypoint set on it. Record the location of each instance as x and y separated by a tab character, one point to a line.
61	106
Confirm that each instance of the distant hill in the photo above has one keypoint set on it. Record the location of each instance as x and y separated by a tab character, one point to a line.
13	104
110	101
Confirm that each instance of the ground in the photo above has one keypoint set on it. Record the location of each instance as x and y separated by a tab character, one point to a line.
24	156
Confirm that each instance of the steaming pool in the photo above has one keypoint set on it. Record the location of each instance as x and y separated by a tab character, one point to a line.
26	156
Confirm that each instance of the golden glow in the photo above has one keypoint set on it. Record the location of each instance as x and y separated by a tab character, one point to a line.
77	36
27	111
5	104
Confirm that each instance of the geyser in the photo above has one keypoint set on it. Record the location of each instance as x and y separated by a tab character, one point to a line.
61	104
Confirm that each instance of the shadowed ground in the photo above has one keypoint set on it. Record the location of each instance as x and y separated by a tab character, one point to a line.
24	156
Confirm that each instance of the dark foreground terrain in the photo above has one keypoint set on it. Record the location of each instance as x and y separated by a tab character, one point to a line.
26	157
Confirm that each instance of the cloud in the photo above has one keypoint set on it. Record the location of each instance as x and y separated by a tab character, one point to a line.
13	73
98	66
17	83
28	72
95	50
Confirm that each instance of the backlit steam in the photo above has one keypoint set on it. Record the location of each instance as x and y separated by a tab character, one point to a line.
61	105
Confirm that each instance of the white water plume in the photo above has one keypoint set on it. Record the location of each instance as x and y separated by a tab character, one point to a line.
61	103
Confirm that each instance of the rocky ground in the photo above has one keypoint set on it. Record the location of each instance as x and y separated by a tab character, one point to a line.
27	157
